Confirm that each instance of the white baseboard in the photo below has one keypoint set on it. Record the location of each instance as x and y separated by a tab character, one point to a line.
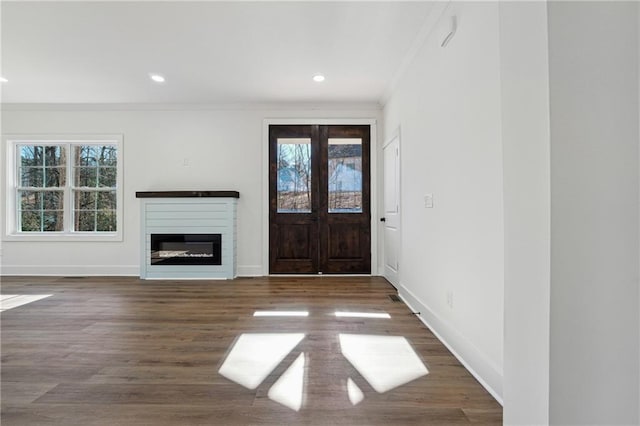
465	351
72	270
98	270
250	271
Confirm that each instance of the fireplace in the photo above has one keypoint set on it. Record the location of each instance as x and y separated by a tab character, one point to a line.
188	235
186	249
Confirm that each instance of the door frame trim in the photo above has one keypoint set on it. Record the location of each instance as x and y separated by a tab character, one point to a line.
372	122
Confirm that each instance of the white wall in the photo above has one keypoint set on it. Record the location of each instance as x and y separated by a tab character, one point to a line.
593	65
447	107
223	147
526	157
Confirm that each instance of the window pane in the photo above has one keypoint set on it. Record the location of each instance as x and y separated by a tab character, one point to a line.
107	155
106	221
294	175
86	176
52	220
85	200
86	155
107	176
53	200
30	200
31	155
345	175
31	177
54	156
55	177
85	220
30	221
106	200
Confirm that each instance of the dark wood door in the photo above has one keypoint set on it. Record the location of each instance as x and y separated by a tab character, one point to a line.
319	199
293	205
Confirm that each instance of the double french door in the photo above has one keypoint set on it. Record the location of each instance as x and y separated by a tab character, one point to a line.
319	199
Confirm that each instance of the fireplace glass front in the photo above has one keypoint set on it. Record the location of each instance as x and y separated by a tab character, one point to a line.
186	249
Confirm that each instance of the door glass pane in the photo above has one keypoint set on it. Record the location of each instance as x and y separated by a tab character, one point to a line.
294	175
345	175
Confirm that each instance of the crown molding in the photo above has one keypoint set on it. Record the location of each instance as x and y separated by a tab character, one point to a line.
258	106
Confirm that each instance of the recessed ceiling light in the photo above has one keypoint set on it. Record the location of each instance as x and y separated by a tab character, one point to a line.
3	80
157	78
318	78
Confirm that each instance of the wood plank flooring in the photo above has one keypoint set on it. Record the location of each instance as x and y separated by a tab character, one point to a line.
120	351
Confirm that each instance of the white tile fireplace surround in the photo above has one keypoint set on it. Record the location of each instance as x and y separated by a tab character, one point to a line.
188	234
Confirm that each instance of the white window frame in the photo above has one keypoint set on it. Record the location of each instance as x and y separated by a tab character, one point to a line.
9	225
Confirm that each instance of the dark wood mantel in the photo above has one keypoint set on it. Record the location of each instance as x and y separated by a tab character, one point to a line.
187	194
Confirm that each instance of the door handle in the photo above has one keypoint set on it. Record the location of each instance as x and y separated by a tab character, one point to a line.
383	219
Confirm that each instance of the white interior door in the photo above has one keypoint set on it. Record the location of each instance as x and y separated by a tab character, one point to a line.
391	220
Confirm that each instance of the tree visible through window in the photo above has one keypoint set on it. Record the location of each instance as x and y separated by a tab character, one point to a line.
47	187
94	193
294	175
345	175
42	176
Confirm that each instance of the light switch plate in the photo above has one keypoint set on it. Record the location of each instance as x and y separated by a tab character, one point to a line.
428	201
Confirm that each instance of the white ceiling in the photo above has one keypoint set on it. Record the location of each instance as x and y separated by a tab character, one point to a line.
210	52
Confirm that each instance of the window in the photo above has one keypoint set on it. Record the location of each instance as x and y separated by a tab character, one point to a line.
64	187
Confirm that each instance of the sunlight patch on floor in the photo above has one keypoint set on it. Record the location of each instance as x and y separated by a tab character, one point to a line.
255	355
10	301
281	314
341	314
353	391
288	390
386	362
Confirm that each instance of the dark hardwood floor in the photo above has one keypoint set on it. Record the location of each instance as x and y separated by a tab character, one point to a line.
120	351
